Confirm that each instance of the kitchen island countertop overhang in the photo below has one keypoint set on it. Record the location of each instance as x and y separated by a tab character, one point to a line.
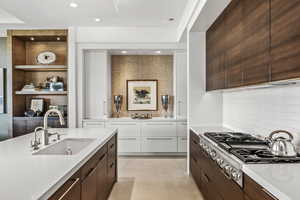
30	177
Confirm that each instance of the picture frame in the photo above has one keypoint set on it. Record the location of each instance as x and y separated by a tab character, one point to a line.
37	104
142	95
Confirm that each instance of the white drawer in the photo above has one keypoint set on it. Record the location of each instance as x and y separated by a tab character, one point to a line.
129	145
125	129
159	144
182	144
93	124
159	129
181	129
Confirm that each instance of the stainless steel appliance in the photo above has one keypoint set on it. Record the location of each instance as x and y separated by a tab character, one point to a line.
229	166
231	149
118	104
2	90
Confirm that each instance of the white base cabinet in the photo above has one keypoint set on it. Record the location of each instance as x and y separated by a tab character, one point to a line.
159	144
145	136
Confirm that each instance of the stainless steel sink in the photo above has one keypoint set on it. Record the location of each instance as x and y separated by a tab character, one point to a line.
68	146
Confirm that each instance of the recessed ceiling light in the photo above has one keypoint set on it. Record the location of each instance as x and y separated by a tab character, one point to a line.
123	52
58	38
31	38
97	20
158	52
171	19
73	5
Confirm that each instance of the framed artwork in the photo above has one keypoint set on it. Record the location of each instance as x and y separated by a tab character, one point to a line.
37	105
142	95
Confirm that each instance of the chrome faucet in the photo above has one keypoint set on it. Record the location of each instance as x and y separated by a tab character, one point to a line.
46	133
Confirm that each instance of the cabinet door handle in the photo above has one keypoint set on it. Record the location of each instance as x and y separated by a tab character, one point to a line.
101	158
159	138
206	179
112	145
226	175
122	124
160	124
111	165
70	188
268	193
127	138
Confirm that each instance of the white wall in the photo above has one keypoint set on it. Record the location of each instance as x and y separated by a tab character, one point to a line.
205	109
261	111
125	35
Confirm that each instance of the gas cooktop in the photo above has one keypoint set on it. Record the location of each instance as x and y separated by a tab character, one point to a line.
248	148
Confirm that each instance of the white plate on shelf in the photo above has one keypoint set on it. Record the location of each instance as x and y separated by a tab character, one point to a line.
46	57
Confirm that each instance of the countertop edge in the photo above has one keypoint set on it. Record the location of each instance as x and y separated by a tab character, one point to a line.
265	184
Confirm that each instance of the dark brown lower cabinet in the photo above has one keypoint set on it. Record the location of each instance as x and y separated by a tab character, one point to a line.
254	191
95	179
214	185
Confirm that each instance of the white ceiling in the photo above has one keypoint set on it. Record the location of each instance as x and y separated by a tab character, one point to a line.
6	18
116	13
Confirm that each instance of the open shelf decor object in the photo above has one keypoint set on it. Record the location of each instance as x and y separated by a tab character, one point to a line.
142	95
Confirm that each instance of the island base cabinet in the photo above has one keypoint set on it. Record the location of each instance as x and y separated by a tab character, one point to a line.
89	186
70	190
95	179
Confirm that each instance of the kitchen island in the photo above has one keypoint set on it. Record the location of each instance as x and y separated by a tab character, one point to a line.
30	177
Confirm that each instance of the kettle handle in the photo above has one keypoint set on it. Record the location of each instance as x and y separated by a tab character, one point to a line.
281	131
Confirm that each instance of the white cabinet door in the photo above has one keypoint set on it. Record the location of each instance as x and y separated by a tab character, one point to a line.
129	145
182	144
181	129
159	129
159	144
93	124
125	129
181	84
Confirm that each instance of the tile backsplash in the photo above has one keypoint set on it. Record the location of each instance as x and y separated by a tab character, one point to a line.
261	111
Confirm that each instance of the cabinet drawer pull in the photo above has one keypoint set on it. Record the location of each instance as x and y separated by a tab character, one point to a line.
121	124
206	179
159	138
159	124
70	188
226	175
89	172
268	193
101	158
127	138
111	165
195	142
112	145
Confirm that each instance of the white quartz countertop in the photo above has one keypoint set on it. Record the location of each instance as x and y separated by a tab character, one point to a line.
281	180
128	119
36	177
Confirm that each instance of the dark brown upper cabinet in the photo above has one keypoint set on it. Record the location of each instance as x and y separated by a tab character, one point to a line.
256	41
234	44
285	39
253	42
215	61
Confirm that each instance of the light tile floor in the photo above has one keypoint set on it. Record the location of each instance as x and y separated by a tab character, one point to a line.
154	179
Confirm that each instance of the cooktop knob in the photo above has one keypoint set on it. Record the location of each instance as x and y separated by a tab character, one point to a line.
220	161
228	169
235	175
213	153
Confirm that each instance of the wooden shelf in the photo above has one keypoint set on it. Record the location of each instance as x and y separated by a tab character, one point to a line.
42	67
41	92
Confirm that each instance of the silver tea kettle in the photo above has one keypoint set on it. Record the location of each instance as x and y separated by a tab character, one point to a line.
281	146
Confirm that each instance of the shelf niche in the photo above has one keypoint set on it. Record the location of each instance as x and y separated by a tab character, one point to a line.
25	46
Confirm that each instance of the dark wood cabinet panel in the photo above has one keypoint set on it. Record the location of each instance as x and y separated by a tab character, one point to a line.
285	39
89	186
256	41
70	190
102	176
255	191
234	44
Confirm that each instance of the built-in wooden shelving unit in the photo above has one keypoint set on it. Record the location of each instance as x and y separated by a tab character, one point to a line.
25	46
